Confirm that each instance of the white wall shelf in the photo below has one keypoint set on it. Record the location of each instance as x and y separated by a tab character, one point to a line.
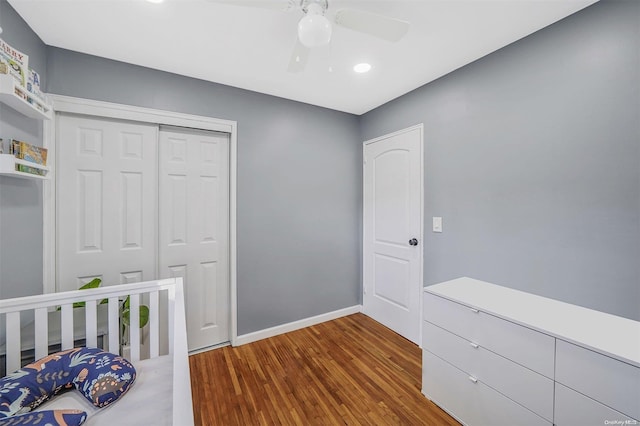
14	95
8	168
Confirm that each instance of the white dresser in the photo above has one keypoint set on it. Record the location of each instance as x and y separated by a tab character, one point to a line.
495	356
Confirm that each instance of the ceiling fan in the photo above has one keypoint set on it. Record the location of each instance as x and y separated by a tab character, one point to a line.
314	29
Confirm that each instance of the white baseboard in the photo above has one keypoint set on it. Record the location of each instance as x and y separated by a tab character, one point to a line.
296	325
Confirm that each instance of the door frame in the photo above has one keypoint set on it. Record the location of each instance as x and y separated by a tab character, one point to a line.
420	288
68	104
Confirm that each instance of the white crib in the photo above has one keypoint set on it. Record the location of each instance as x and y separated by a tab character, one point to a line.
48	323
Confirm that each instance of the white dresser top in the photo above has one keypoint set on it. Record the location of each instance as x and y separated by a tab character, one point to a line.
605	333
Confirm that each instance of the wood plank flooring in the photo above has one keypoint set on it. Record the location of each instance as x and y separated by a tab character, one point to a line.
350	371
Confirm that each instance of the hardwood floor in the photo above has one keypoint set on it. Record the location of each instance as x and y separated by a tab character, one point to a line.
350	371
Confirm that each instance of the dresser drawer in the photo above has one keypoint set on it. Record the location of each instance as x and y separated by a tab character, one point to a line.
473	404
523	345
612	382
575	409
524	386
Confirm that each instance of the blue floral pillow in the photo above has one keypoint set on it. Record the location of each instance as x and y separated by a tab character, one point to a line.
47	418
106	377
102	377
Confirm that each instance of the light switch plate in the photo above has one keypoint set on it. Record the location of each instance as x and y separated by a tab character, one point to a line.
437	224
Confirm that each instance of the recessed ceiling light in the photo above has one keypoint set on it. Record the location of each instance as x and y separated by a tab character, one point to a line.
155	1
363	67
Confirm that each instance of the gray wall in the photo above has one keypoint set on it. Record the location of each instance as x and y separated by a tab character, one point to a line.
298	183
20	199
532	158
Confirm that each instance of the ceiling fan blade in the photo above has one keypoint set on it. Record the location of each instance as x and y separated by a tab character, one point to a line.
280	5
299	57
381	26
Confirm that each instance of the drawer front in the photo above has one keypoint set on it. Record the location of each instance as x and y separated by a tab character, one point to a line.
525	346
473	404
575	409
612	382
524	386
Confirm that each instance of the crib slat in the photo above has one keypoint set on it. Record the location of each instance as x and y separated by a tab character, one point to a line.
91	324
66	325
13	342
154	324
41	333
134	326
171	296
114	325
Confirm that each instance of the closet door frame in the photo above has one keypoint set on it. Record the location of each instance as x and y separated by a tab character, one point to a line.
68	104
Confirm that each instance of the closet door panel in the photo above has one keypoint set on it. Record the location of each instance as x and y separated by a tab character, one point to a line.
107	196
194	228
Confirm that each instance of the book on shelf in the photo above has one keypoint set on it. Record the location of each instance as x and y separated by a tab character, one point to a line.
21	94
28	152
14	63
33	83
32	170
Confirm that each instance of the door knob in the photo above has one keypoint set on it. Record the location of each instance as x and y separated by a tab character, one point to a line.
413	242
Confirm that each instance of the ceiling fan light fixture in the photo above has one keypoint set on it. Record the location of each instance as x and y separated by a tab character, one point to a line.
314	29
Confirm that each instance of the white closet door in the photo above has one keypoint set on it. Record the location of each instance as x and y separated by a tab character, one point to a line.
194	228
107	201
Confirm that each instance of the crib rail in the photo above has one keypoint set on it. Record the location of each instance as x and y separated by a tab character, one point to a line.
42	305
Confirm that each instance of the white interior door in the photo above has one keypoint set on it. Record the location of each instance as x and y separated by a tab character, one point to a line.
106	201
194	228
392	220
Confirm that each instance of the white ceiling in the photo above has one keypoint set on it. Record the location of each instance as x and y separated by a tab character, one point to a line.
250	48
